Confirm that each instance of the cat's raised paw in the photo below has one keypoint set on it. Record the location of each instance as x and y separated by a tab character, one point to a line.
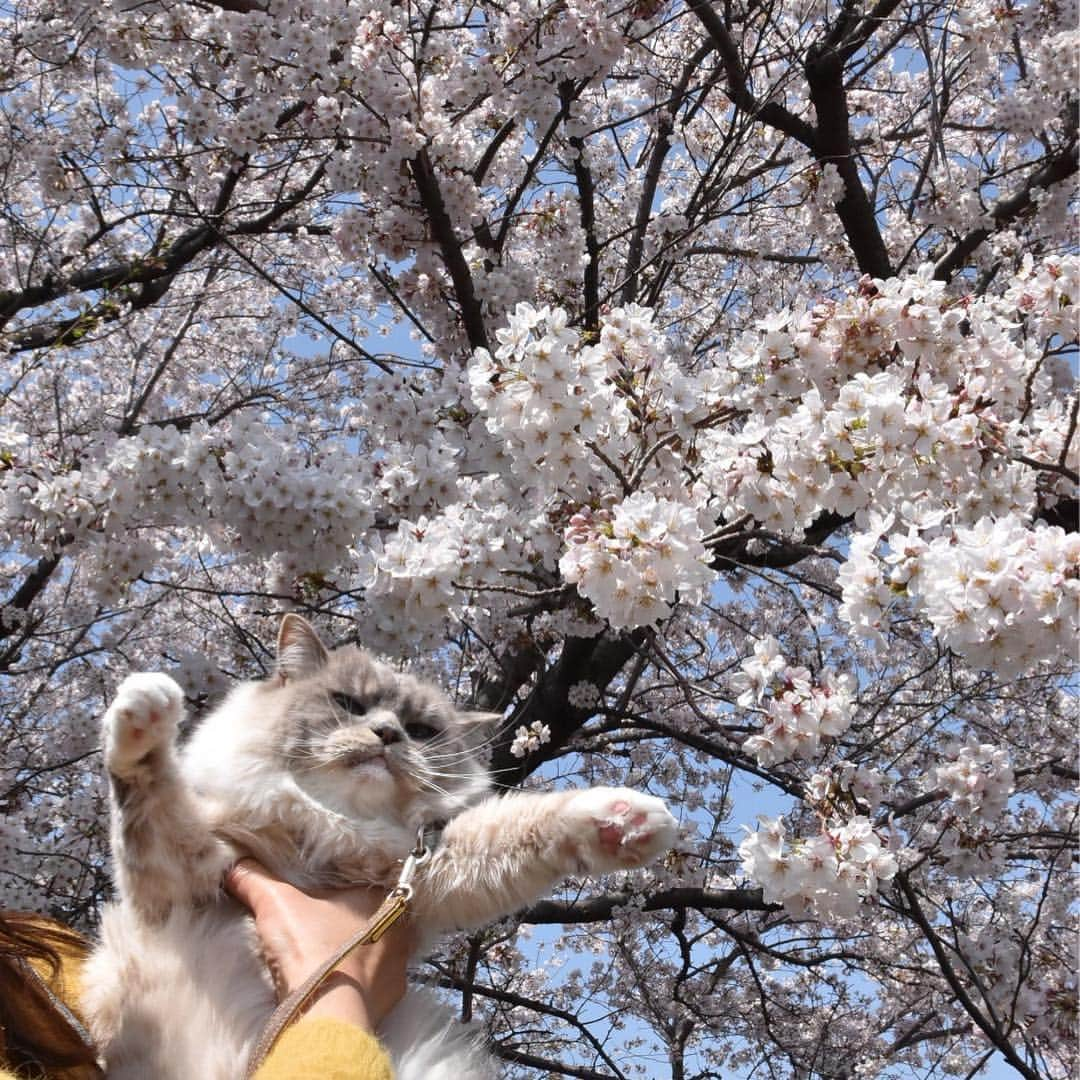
143	716
622	828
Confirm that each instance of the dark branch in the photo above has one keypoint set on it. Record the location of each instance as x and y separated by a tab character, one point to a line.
586	194
427	186
992	1032
548	1067
825	78
601	908
738	86
597	660
732	552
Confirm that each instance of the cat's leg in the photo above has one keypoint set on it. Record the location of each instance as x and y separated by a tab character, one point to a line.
510	850
163	852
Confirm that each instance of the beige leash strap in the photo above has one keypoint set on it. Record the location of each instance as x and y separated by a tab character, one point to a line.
390	910
70	1018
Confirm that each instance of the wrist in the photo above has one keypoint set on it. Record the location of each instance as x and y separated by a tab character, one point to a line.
341	997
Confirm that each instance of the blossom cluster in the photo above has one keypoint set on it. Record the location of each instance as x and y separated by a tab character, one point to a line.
800	708
889	392
979	781
584	695
1046	294
547	394
997	955
528	740
906	410
634	560
544	395
865	785
419	575
999	594
827	876
416	476
580	420
25	831
251	481
973	854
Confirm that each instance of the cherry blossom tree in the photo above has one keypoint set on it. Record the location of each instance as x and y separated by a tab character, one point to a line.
689	382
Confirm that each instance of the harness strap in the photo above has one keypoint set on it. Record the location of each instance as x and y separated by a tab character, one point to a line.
390	910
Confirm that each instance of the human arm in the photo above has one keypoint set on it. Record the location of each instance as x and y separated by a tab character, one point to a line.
298	932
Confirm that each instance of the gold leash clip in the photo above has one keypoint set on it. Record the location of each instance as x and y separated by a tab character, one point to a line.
392	909
419	855
397	900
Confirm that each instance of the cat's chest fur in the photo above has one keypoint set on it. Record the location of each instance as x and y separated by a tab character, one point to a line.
324	855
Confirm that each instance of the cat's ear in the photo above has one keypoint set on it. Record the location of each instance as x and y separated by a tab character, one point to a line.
299	650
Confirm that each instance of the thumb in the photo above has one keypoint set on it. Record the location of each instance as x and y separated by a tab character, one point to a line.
247	882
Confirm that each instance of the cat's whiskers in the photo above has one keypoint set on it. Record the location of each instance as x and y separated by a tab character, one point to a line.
432	786
445	759
448	759
300	754
472	750
444	775
305	763
489	778
427	782
312	768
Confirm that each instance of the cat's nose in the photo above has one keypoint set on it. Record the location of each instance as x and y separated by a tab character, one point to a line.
386	732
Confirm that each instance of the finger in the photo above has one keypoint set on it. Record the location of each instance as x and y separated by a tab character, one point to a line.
247	881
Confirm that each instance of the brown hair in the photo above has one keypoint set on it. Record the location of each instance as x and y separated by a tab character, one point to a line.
38	1036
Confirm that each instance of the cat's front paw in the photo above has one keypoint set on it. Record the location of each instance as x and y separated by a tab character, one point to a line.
143	716
619	828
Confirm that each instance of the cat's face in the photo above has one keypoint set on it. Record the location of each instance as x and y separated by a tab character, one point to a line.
362	738
340	732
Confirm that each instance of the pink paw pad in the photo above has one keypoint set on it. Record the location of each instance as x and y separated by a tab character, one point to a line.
613	835
136	733
619	829
145	713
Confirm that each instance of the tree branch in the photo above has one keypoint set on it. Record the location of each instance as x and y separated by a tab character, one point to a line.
738	86
1057	167
548	1067
587	210
427	186
597	660
825	78
601	908
664	127
915	911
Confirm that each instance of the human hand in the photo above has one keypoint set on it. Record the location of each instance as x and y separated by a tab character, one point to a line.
300	930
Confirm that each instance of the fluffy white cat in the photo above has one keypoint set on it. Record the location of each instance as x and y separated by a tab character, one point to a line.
323	772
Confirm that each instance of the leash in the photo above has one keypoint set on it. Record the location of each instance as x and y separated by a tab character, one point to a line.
64	1012
390	910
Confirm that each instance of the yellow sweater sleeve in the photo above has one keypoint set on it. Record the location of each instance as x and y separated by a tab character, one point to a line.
325	1049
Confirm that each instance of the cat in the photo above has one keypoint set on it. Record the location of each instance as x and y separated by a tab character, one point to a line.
323	772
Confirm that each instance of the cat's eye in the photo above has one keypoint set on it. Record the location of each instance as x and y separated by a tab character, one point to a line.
353	706
417	729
